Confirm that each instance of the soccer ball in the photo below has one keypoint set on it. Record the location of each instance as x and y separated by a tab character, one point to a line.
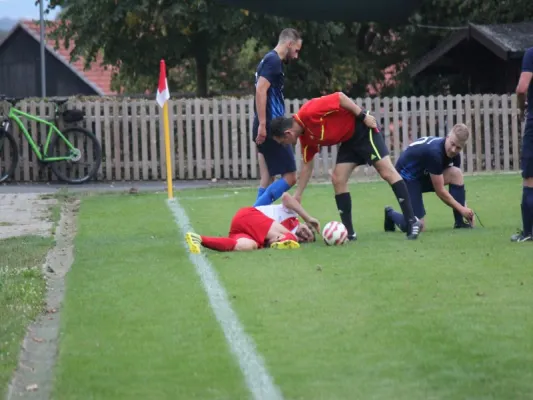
334	233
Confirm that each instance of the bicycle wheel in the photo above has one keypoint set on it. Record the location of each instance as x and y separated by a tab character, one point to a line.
84	160
9	155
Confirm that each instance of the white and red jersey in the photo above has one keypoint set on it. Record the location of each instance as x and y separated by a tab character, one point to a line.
281	214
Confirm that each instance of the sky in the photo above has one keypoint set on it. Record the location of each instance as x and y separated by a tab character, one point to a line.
17	9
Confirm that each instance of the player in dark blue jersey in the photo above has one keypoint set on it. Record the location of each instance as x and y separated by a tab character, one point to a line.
523	89
427	165
274	158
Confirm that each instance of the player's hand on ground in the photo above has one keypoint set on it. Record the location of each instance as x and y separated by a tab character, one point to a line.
370	121
315	224
261	134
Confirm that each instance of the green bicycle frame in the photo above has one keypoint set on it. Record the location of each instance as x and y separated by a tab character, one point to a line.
15	114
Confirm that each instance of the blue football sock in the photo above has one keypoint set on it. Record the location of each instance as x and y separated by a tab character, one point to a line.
527	210
398	220
272	193
458	193
260	192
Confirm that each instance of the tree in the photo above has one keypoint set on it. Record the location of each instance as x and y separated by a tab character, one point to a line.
134	35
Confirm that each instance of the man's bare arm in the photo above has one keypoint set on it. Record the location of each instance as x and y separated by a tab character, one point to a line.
349	104
303	179
443	194
521	91
261	99
292	204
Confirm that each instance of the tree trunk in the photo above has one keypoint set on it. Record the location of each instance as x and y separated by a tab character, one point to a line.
202	62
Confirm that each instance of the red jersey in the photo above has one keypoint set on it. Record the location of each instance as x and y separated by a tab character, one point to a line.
287	218
325	123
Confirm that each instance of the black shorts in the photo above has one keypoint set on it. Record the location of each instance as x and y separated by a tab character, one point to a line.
279	158
526	158
364	147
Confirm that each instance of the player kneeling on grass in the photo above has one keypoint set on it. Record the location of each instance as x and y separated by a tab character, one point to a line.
427	165
275	225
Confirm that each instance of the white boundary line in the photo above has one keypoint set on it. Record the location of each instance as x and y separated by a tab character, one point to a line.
257	378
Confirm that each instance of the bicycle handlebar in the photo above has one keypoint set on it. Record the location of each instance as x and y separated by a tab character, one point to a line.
11	100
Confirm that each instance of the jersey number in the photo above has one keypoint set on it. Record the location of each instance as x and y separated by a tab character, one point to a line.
427	139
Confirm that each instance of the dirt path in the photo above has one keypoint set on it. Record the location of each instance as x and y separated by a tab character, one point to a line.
33	377
25	214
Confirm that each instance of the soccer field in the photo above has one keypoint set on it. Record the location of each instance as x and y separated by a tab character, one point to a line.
448	316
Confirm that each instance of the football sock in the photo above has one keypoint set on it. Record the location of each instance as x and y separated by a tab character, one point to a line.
527	210
398	220
260	192
219	243
458	193
402	195
272	193
344	205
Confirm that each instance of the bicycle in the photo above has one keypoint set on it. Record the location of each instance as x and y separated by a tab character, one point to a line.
59	152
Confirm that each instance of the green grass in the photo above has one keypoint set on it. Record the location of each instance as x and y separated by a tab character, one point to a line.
22	289
135	322
448	316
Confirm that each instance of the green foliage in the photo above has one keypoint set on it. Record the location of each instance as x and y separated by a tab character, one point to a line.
211	48
135	35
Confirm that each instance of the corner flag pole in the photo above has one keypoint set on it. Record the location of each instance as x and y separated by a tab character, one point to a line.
162	97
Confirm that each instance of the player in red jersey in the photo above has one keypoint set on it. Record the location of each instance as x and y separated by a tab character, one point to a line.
336	119
275	225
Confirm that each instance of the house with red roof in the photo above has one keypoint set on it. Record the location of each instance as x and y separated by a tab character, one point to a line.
20	66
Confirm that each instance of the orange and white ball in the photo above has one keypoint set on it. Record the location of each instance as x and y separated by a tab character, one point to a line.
334	233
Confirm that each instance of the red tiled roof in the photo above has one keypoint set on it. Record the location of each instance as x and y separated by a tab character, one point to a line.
97	75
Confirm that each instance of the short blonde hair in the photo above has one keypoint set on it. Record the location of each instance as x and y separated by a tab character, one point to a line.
461	131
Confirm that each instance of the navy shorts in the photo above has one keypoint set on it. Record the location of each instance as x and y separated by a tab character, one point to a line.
279	158
416	189
526	159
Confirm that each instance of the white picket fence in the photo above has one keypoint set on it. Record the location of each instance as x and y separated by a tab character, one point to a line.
212	138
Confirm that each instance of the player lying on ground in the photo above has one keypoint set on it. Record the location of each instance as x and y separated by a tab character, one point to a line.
275	226
334	119
427	165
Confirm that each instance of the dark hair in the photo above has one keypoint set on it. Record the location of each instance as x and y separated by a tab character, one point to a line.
279	125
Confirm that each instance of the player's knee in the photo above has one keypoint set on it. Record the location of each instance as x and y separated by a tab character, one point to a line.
244	244
387	171
339	180
290	178
454	176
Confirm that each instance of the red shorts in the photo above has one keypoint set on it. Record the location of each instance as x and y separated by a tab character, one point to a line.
250	223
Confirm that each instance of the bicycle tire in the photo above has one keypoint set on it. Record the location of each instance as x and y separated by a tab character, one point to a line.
97	152
8	137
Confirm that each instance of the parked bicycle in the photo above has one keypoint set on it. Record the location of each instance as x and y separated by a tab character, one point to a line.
74	154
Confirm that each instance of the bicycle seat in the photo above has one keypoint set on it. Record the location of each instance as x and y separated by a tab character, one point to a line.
60	101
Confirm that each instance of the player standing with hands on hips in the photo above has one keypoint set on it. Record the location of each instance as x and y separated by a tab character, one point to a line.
274	158
336	119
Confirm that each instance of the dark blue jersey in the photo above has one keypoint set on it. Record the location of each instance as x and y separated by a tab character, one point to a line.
271	68
425	156
527	66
